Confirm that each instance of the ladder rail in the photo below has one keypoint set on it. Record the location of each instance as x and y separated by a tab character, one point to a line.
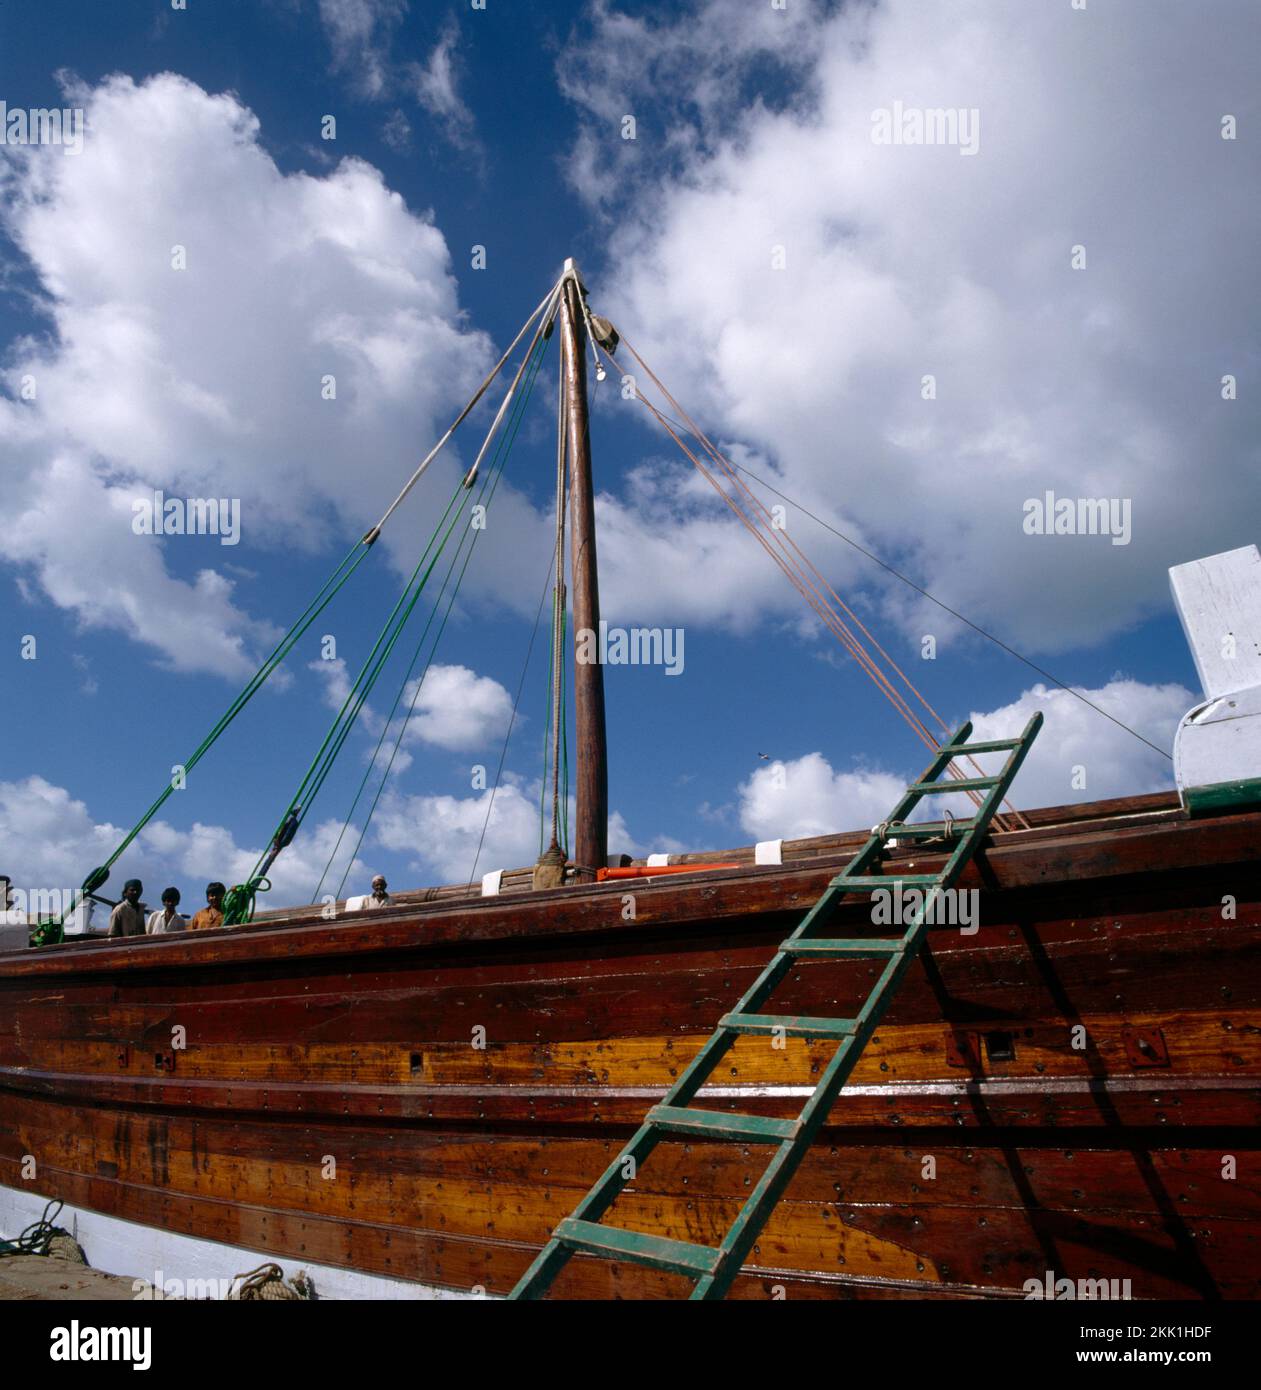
715	1269
779	1172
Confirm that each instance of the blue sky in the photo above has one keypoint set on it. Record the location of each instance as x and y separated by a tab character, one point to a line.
503	128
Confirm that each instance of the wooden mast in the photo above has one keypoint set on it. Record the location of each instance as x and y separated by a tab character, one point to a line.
591	848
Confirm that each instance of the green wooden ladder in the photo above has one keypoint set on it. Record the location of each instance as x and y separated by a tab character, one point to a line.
715	1267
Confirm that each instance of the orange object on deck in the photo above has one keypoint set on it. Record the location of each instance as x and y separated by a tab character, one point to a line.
644	871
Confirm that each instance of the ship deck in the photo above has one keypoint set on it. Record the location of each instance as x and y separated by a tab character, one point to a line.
1076	1069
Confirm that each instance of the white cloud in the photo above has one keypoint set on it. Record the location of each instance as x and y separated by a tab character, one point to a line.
621	841
51	841
396	131
684	78
441	833
1074	736
457	709
206	382
911	261
361	37
335	678
454	709
360	33
807	796
670	552
73	529
436	87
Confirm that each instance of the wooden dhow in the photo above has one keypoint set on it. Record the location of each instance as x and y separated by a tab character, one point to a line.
1067	1087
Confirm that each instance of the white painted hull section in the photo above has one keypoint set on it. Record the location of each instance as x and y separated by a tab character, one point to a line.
1219	603
150	1255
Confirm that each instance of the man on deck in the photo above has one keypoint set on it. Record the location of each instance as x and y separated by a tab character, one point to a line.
127	918
169	918
212	914
379	897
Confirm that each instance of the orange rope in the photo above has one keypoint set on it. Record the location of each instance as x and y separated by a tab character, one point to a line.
805	577
831	619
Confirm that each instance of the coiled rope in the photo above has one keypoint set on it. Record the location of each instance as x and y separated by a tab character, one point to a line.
43	1237
267	1284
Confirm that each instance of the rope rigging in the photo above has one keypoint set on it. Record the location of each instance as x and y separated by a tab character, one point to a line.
665	420
465	548
503	752
954	613
802	574
240	900
48	933
238	904
485	473
51	931
556	729
547	299
556	688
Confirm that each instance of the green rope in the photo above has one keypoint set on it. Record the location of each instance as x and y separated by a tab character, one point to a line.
239	902
468	555
492	480
317	605
564	742
549	578
385	728
240	899
367	679
547	737
37	1237
563	818
52	932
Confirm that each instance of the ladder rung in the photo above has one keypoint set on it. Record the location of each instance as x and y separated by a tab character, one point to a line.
758	1128
996	745
821	946
713	1270
614	1243
868	883
792	1026
964	784
927	830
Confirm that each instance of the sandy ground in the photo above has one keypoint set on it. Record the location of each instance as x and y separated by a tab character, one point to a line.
38	1278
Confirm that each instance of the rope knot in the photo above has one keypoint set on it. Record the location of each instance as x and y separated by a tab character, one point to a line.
238	903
